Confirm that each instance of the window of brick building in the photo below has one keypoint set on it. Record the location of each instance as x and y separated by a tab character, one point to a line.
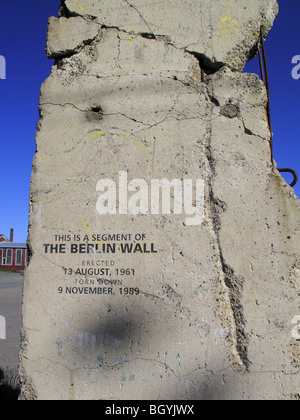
9	254
19	257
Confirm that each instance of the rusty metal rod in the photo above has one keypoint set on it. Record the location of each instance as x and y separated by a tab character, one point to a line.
261	66
267	83
265	78
294	173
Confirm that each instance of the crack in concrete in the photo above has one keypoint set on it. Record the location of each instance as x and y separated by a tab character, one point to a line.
140	15
230	286
205	64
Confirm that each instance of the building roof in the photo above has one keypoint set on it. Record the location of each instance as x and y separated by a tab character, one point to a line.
13	245
3	237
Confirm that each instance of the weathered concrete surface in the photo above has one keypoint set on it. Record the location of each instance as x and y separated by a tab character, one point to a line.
66	36
222	33
213	315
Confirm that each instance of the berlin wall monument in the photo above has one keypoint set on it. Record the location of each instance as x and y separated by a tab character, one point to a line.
164	242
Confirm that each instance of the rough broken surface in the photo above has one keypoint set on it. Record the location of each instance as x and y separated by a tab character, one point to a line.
221	33
67	36
213	319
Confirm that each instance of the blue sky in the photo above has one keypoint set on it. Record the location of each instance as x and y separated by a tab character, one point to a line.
23	27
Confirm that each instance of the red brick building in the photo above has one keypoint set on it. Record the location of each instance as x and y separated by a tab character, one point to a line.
3	238
13	255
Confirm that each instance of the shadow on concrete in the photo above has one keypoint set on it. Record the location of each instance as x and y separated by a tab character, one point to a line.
9	386
110	344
